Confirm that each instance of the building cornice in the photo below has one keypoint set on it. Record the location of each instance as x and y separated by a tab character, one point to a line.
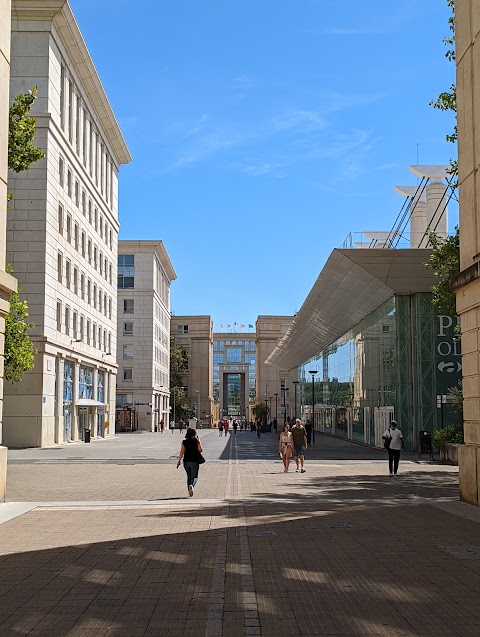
61	16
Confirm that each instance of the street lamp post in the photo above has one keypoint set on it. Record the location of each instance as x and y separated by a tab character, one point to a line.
276	407
284	390
197	391
295	382
313	372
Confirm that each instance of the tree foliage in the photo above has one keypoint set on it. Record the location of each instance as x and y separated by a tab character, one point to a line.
445	264
19	349
22	152
178	366
447	100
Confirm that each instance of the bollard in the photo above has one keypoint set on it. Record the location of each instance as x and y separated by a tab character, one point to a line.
86	437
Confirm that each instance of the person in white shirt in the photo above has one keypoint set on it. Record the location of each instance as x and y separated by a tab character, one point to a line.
394	439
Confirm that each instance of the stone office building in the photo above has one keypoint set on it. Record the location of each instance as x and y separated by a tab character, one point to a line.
62	233
143	351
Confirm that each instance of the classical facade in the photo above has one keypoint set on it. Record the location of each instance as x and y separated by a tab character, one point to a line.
467	284
194	334
143	347
7	283
62	233
227	375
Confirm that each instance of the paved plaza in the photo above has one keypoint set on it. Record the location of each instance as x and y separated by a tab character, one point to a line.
101	539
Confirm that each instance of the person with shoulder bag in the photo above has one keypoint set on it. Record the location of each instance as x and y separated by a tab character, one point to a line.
191	452
393	443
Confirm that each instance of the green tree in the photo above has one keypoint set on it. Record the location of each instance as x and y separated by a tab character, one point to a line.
178	366
447	100
19	349
22	152
445	264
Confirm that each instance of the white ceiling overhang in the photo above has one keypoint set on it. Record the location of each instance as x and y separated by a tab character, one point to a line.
351	285
89	402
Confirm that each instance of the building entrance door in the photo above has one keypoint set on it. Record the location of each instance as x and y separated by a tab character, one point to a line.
82	421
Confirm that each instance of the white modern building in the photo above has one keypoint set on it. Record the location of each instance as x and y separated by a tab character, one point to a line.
143	351
62	233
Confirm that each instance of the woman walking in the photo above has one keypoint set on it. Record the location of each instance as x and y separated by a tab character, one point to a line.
190	451
286	447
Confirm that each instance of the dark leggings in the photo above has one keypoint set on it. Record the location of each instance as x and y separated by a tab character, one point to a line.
393	460
192	472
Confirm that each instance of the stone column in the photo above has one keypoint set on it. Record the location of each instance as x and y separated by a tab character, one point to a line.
76	378
7	283
467	284
59	428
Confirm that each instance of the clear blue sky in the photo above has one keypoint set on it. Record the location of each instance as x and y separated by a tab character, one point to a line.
264	131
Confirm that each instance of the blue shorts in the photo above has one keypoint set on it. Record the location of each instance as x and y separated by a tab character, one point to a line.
300	451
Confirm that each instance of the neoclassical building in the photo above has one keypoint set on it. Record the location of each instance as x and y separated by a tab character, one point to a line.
62	233
143	347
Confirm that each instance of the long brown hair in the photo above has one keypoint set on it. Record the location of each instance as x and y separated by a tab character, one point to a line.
191	433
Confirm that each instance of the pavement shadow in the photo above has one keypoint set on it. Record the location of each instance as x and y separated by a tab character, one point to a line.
366	570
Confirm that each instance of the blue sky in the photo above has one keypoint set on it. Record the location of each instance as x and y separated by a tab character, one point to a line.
264	131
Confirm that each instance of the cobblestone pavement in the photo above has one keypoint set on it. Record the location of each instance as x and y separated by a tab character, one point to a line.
108	543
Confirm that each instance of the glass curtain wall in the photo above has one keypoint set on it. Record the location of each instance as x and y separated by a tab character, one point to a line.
392	364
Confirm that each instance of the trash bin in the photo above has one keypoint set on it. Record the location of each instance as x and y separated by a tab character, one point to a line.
156	428
86	437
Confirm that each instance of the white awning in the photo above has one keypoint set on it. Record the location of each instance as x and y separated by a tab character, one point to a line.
89	402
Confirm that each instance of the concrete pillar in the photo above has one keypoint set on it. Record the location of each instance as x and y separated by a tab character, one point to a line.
418	224
59	428
437	208
75	422
467	283
7	283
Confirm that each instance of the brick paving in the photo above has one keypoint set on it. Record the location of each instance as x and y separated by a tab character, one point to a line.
111	549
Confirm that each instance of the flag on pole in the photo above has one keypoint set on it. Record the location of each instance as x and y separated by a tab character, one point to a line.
228	326
220	325
250	325
242	326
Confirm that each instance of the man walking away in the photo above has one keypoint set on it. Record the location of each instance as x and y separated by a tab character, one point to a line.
299	443
394	439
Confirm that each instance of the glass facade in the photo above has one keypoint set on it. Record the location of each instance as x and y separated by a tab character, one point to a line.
85	382
392	365
234	356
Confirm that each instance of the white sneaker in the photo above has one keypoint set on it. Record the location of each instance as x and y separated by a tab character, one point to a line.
190	490
297	470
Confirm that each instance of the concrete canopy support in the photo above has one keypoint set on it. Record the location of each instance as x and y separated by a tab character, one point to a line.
467	283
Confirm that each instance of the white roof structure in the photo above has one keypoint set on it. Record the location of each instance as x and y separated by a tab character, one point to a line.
351	285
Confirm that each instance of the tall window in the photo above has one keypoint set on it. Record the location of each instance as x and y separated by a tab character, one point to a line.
127	373
68	273
60	219
59	316
128	351
126	271
85	383
128	306
60	267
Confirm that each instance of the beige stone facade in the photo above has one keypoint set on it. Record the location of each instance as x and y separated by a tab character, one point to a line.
272	379
62	233
7	283
468	282
194	334
143	351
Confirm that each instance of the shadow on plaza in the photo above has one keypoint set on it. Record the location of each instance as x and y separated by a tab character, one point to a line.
366	568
